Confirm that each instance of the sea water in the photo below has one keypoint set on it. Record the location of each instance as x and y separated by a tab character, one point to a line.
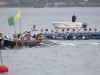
62	57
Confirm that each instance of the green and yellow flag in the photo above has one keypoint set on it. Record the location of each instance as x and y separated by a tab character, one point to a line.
11	21
18	15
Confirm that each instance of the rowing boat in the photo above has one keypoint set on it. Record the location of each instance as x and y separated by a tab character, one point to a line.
10	44
73	37
69	25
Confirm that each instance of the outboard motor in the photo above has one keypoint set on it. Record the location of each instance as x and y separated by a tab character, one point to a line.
84	25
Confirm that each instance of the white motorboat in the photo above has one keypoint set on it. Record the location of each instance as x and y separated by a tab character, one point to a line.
69	25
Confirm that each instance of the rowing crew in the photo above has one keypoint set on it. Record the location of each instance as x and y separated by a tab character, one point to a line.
21	38
69	33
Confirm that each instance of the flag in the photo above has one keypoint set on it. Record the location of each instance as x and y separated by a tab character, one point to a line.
11	21
18	15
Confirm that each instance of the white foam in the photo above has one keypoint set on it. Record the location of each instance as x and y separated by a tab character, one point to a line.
94	43
66	44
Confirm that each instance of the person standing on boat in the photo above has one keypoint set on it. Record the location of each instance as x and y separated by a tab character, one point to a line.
73	18
34	27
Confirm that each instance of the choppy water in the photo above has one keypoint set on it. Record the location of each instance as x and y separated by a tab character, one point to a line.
78	57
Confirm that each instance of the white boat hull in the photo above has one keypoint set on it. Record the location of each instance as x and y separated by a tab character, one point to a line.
69	25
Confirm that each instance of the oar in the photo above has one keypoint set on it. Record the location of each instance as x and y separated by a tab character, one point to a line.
17	47
47	41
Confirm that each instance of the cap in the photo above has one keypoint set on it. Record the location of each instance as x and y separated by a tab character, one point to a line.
73	29
51	30
67	28
41	29
89	28
95	29
62	29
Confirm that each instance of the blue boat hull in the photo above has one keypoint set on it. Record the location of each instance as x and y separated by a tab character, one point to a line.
73	38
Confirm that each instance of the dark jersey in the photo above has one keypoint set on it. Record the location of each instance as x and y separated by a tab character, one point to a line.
73	18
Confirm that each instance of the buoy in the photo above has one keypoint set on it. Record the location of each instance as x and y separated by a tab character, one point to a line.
3	68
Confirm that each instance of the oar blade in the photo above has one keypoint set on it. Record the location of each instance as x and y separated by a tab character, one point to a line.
17	47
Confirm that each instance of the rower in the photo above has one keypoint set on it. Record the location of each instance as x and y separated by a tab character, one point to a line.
41	31
79	33
46	33
40	35
67	34
89	33
52	32
56	30
56	33
95	31
62	33
1	36
85	32
14	37
73	32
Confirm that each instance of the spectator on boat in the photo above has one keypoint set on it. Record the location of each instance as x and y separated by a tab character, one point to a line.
73	18
95	31
1	36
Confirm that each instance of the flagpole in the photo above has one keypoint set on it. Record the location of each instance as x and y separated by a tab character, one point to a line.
1	58
18	15
20	25
14	29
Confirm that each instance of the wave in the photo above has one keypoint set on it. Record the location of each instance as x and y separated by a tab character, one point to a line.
66	44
